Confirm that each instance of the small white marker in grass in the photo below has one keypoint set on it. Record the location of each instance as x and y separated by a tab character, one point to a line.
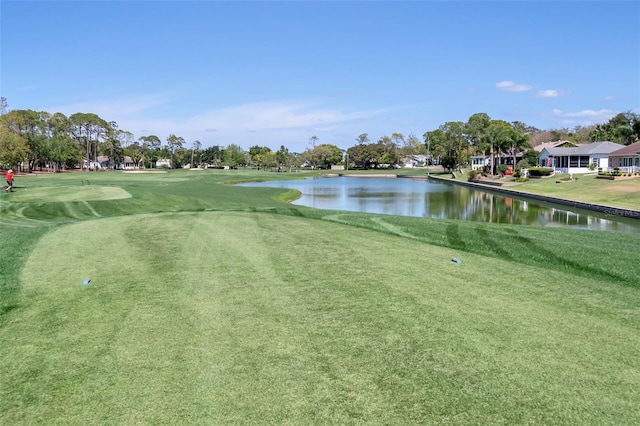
86	281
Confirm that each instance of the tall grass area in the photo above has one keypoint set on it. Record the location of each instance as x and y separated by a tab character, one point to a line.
212	304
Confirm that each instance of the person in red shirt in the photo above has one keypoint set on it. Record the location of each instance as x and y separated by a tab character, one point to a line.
10	180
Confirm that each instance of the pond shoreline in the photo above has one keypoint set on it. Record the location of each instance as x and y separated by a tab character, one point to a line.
600	208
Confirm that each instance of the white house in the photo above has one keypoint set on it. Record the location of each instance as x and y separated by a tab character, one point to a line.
126	164
478	162
579	158
163	162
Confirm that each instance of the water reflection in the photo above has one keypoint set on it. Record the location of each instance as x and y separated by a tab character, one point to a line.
419	198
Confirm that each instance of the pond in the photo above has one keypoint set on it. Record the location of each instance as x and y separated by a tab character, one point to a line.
421	198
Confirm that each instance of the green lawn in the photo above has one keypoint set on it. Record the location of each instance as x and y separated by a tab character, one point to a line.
213	304
586	188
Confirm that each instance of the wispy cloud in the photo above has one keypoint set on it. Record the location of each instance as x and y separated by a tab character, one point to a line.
585	117
274	115
510	86
549	93
608	98
113	109
264	123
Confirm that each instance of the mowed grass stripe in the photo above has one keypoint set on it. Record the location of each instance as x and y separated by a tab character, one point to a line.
253	317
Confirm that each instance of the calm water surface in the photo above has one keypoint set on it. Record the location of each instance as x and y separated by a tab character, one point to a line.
420	198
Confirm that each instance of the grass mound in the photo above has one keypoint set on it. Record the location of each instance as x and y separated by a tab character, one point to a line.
68	194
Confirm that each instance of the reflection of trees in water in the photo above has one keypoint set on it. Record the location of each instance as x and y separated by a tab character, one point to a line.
480	206
453	202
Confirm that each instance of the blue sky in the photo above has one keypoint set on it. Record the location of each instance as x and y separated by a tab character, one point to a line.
277	73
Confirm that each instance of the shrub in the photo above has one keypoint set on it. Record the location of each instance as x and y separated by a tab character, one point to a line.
540	171
475	174
522	164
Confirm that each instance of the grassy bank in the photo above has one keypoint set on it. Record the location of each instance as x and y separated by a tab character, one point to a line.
585	188
210	303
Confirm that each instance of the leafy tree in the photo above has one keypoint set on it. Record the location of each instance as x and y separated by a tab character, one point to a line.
30	125
135	152
623	134
173	143
449	141
112	145
195	150
475	129
181	157
367	156
397	138
234	156
13	147
63	152
519	142
497	138
150	148
213	155
413	146
88	129
328	155
284	157
323	156
623	128
362	139
531	156
435	143
449	162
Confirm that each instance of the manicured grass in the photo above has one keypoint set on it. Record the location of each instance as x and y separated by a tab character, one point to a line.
586	188
214	304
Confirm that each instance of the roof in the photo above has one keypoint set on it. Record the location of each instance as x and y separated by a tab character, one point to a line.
629	150
544	145
604	147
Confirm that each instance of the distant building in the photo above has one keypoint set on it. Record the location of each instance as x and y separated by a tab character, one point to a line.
163	162
627	159
579	159
479	162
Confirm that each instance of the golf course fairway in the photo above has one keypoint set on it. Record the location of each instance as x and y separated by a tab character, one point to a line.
189	301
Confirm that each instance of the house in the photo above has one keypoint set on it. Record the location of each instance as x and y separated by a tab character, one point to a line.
163	162
413	161
579	159
92	165
127	163
627	159
479	162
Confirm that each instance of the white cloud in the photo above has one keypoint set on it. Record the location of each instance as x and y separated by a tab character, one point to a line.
113	109
586	117
274	115
608	98
510	86
266	123
548	94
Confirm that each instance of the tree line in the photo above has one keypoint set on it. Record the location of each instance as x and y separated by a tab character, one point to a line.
55	141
